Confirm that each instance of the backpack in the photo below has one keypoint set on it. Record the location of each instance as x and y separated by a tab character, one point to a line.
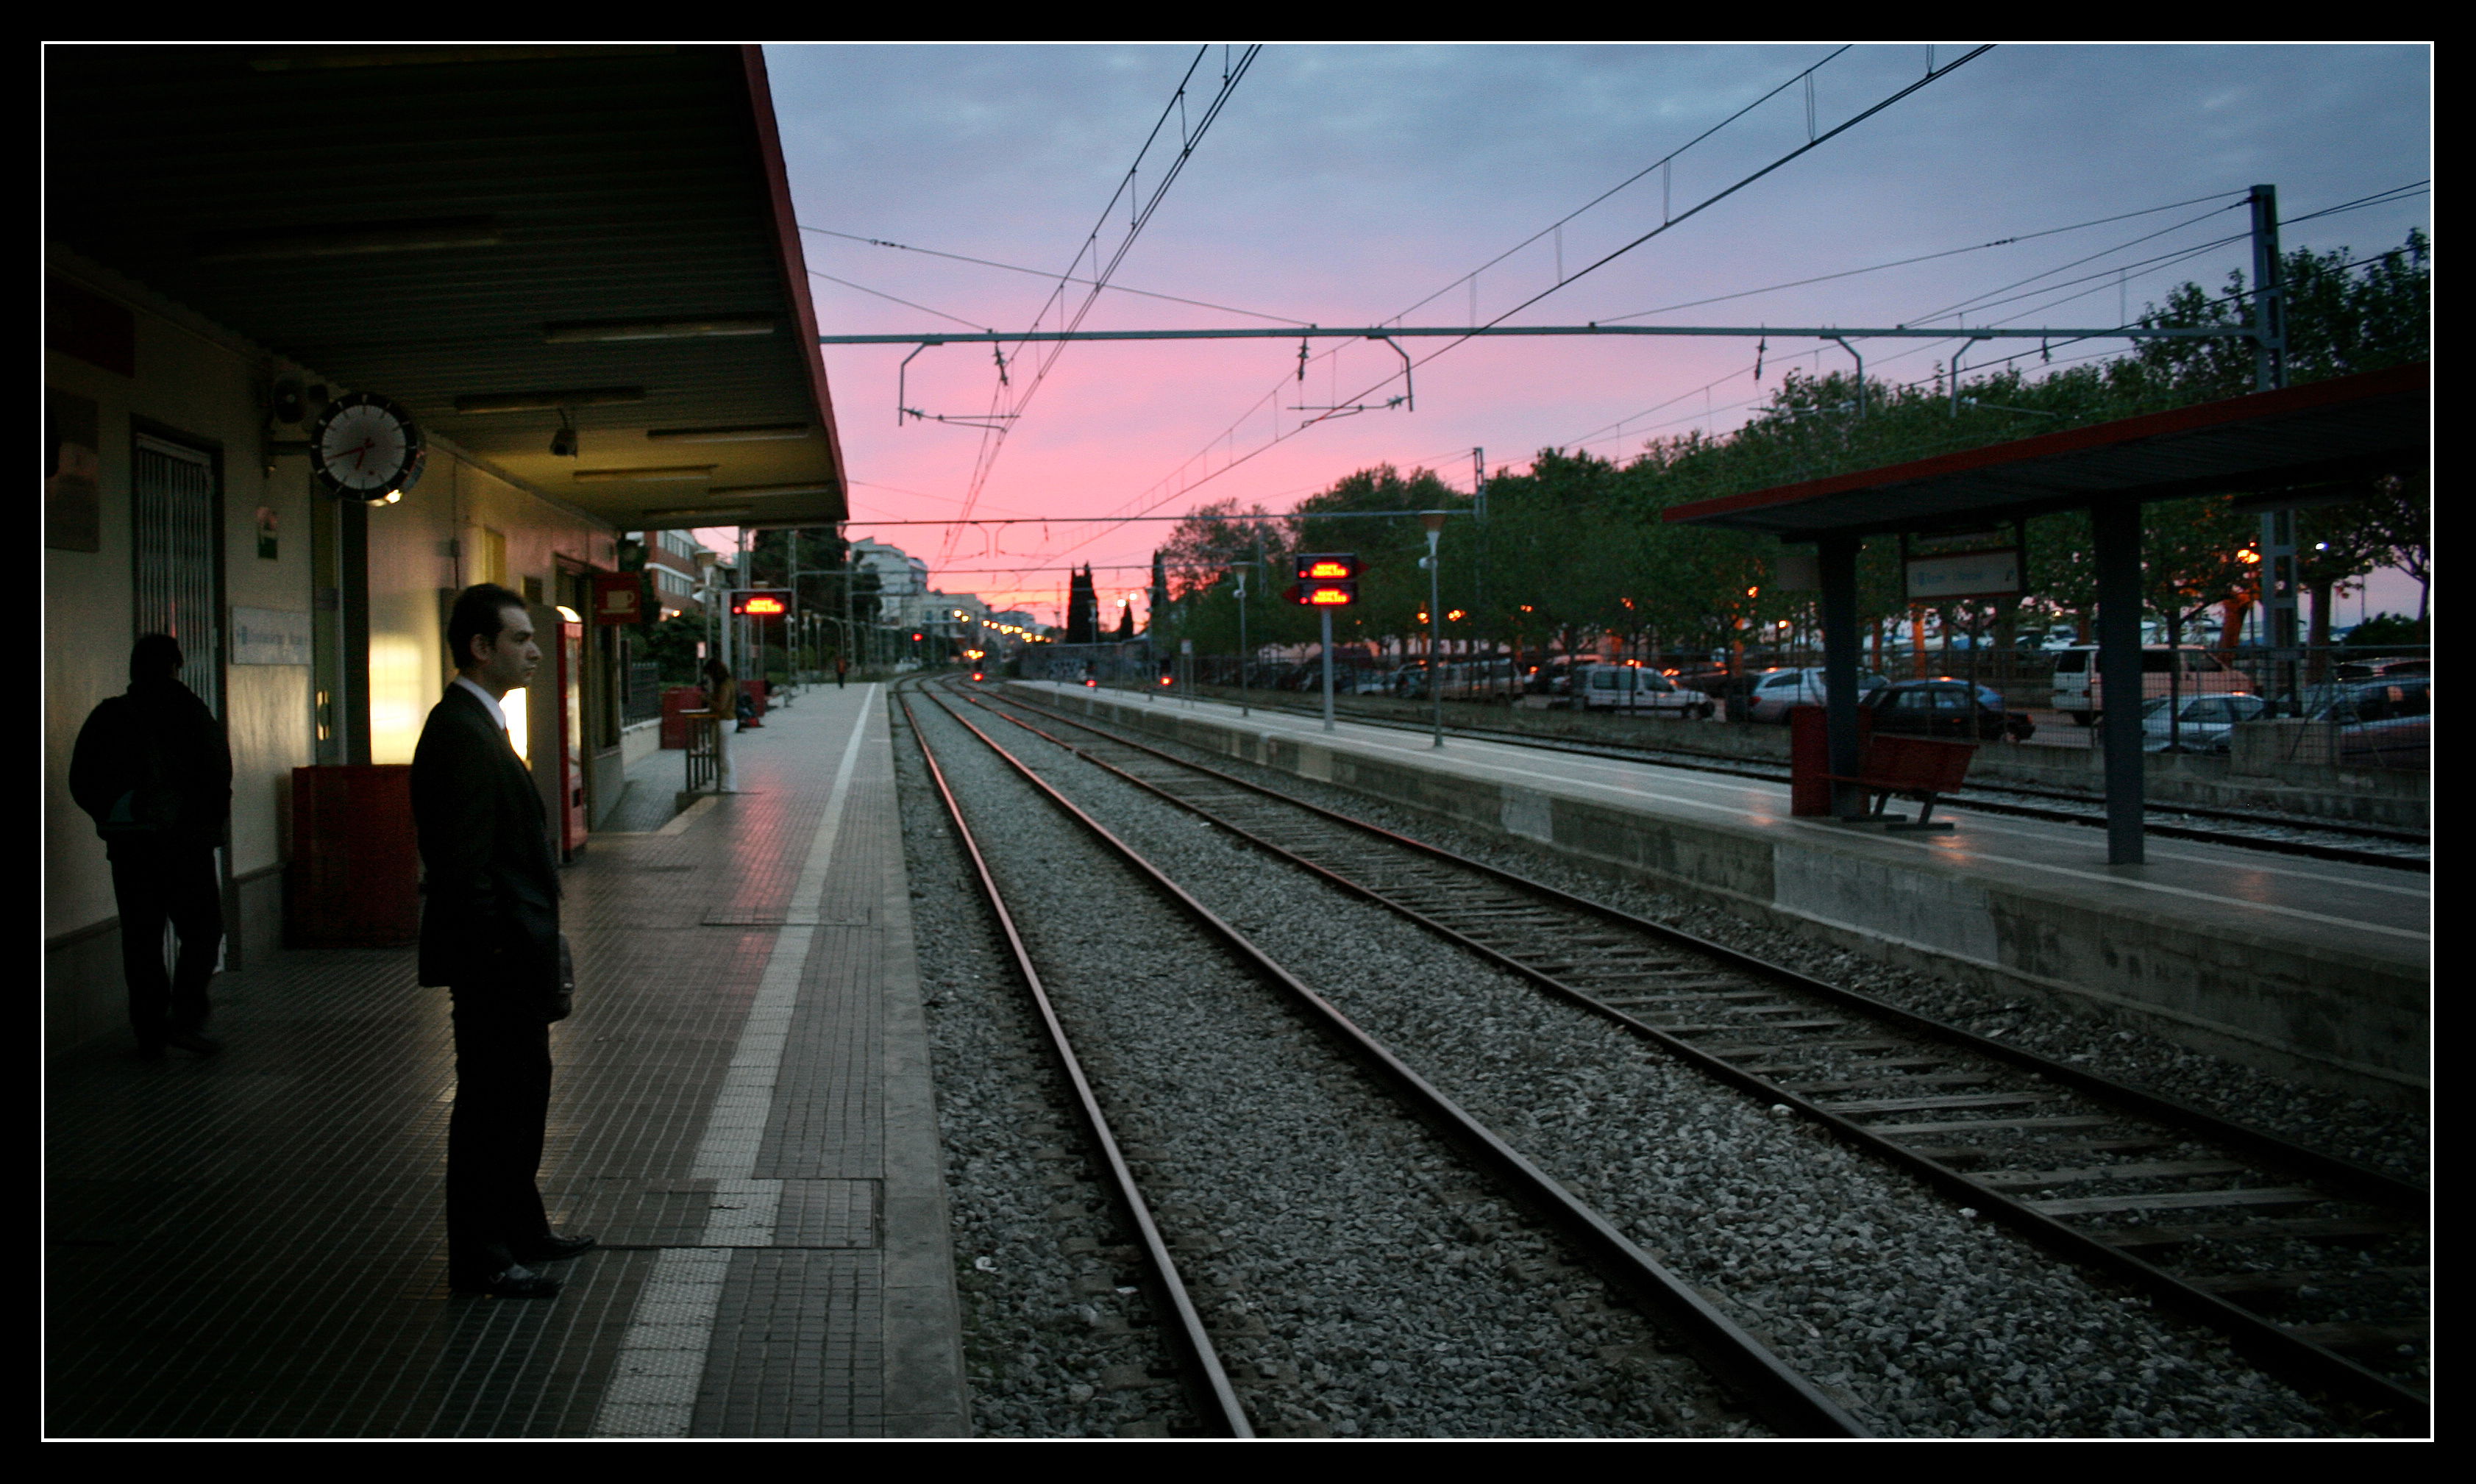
149	809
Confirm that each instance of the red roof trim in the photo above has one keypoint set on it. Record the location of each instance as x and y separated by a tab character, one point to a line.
795	262
2417	376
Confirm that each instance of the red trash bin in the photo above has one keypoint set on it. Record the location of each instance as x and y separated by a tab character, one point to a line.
355	876
1809	757
677	701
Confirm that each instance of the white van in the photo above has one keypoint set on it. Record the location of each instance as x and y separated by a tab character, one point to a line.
1639	689
2079	696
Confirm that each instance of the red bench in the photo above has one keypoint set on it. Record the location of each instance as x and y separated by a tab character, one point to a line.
1920	768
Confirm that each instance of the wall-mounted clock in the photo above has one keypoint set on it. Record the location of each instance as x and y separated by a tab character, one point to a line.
364	447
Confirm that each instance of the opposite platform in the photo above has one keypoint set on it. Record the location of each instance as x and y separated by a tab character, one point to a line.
2313	970
253	1246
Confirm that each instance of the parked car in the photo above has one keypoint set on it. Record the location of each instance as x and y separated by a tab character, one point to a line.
1944	707
1638	690
2206	724
2371	669
1775	691
2381	724
2079	695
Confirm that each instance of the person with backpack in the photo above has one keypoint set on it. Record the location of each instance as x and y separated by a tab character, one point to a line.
151	768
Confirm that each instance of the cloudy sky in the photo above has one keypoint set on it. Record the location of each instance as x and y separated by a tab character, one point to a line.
1361	184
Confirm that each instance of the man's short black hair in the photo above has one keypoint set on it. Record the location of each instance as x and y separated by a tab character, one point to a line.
480	613
155	657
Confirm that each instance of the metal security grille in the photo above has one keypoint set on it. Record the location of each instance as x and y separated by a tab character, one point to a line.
173	526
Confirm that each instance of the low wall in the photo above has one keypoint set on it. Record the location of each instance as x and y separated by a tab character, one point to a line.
2303	1005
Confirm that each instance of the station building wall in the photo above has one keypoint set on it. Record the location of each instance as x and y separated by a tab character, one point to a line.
192	384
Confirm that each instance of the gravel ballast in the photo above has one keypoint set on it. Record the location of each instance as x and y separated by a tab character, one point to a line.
1359	1281
1934	1323
2395	1140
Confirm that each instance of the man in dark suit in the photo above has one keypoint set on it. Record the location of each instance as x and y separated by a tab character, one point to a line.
489	931
151	768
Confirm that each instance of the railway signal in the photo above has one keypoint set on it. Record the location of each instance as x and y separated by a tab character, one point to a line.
1326	579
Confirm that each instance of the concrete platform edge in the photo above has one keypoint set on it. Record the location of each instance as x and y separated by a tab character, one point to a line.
926	1395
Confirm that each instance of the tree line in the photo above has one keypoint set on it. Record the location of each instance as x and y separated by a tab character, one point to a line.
1573	548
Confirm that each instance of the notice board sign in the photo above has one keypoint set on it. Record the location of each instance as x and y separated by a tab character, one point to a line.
269	637
1957	575
618	599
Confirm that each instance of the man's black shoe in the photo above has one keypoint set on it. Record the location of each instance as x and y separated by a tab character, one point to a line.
518	1283
556	1247
194	1044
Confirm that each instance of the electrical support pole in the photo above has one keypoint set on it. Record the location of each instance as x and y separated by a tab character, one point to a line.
1326	614
2279	585
1434	521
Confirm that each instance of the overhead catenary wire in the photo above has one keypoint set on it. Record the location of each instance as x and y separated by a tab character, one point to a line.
993	440
1903	263
1814	142
986	263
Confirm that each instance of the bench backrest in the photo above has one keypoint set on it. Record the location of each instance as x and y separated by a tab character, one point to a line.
1923	763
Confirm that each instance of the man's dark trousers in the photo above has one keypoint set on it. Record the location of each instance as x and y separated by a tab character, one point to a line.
494	1136
173	884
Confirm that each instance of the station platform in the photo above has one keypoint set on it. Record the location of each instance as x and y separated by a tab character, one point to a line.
254	1245
2313	970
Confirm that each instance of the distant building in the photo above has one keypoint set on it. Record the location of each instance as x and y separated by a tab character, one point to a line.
901	582
671	556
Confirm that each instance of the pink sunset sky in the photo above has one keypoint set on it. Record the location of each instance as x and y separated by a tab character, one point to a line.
1345	185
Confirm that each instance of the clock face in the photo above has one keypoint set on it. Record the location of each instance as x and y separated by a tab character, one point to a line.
365	447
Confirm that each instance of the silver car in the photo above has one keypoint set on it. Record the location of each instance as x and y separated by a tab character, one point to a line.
1776	690
2204	724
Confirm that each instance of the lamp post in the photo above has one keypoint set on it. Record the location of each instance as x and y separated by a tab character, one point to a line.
1434	522
1242	641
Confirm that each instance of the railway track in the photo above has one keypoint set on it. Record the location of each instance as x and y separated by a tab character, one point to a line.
2315	1268
1235	1401
1992	798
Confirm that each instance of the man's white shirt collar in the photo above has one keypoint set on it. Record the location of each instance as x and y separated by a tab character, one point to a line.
497	713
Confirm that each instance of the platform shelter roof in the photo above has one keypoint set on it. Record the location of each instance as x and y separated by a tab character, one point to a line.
498	238
2346	428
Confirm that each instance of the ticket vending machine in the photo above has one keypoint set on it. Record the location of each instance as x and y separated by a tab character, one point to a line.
553	746
569	819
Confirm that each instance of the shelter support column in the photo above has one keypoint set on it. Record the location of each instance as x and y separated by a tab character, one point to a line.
2116	527
1837	557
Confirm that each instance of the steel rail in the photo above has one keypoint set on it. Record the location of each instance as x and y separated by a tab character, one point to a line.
2395	1407
1964	798
1208	1381
1788	1398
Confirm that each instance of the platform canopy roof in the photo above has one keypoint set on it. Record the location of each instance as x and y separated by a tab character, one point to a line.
2346	428
486	234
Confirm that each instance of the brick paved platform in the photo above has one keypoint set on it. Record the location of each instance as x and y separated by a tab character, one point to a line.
255	1246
